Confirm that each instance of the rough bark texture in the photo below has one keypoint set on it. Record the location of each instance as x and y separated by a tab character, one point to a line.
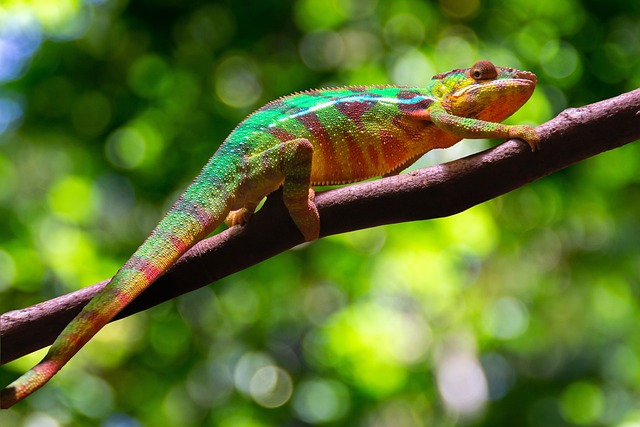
432	192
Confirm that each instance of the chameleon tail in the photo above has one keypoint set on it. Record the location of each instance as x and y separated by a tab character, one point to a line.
197	212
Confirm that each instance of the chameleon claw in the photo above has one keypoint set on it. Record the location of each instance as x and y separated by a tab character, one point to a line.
238	217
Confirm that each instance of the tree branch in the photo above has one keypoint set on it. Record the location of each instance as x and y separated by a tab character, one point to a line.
431	192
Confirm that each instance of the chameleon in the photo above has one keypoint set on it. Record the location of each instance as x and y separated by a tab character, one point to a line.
316	137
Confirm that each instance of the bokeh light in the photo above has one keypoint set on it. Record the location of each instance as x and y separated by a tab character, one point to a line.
271	387
20	38
321	401
462	383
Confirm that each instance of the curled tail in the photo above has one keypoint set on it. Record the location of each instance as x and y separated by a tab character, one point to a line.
197	212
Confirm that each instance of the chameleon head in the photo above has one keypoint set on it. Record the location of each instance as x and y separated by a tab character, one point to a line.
485	92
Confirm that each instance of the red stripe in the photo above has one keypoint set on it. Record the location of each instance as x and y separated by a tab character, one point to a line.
374	157
179	244
414	107
354	110
322	140
392	148
147	268
359	165
280	133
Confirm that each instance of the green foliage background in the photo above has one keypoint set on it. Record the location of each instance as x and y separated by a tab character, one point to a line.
521	311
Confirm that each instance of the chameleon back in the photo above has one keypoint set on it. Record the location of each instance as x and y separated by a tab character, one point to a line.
356	132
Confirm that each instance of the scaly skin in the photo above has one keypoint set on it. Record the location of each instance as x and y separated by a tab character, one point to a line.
327	136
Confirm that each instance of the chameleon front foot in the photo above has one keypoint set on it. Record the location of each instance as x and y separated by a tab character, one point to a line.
526	133
297	194
305	216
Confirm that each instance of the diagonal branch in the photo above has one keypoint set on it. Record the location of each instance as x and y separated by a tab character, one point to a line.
433	192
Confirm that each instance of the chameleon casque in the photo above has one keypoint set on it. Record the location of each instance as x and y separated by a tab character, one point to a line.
324	136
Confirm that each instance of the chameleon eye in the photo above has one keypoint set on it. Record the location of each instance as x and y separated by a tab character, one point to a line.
483	70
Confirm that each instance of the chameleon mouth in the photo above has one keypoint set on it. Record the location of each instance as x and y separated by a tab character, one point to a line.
526	75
